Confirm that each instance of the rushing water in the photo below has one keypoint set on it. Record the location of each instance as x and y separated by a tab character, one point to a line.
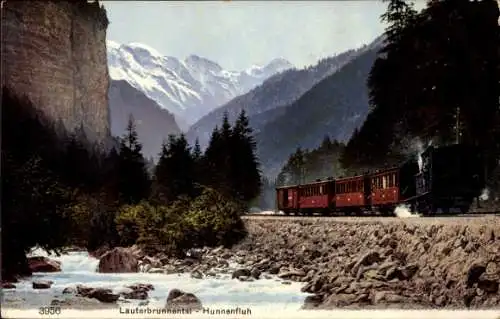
266	298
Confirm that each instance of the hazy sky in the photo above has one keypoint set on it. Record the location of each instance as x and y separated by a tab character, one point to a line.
237	34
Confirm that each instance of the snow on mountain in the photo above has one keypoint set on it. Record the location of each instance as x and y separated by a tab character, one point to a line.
188	88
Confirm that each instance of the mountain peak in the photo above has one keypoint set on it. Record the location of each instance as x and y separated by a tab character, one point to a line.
280	63
197	60
188	88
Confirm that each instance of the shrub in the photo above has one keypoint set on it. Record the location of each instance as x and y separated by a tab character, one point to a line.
213	220
209	220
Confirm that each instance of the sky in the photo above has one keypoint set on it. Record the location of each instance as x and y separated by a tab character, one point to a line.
238	34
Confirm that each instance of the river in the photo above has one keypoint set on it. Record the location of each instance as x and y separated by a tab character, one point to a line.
266	298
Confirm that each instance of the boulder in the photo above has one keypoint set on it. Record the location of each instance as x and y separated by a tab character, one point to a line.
101	294
241	272
255	273
8	285
312	302
137	291
43	264
178	300
104	295
291	274
118	260
42	284
99	251
475	271
69	290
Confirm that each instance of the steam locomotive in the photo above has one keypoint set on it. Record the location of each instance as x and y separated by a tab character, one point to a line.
442	180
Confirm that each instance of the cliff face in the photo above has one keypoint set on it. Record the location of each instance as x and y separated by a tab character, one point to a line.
54	53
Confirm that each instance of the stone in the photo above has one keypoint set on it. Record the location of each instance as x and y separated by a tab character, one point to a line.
8	285
474	272
255	273
178	299
43	264
241	272
42	284
291	273
118	260
69	290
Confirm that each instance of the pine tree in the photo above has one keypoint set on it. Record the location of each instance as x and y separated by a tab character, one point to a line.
174	174
245	173
199	172
217	160
134	181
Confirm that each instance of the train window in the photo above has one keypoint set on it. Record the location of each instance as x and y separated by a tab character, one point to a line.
396	179
321	190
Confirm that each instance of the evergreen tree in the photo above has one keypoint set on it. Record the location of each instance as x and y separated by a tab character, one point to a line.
197	154
245	173
216	160
160	189
436	62
134	181
199	171
293	171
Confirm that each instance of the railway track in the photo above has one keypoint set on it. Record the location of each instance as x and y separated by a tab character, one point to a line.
375	217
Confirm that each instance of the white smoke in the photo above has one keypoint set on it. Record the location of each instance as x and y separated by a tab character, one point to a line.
403	211
420	147
485	195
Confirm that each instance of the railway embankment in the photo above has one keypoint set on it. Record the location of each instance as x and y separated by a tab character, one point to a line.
382	263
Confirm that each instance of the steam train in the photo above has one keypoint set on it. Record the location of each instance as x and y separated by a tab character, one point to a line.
442	180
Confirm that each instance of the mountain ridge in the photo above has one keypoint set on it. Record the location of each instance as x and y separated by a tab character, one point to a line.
272	96
188	88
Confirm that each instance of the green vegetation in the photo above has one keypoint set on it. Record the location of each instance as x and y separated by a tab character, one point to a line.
58	189
305	166
439	67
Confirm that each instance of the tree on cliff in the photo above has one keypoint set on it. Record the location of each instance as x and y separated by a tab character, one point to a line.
435	62
133	178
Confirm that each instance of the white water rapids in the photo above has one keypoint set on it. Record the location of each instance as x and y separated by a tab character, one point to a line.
266	298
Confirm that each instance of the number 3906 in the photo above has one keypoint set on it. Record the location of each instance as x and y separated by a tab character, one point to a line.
49	310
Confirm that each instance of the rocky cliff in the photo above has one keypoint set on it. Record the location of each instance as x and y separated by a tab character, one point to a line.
54	53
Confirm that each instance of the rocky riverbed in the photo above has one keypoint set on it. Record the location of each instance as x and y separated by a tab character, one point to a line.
371	263
451	263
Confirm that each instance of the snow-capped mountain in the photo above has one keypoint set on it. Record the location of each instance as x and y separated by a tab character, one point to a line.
188	88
